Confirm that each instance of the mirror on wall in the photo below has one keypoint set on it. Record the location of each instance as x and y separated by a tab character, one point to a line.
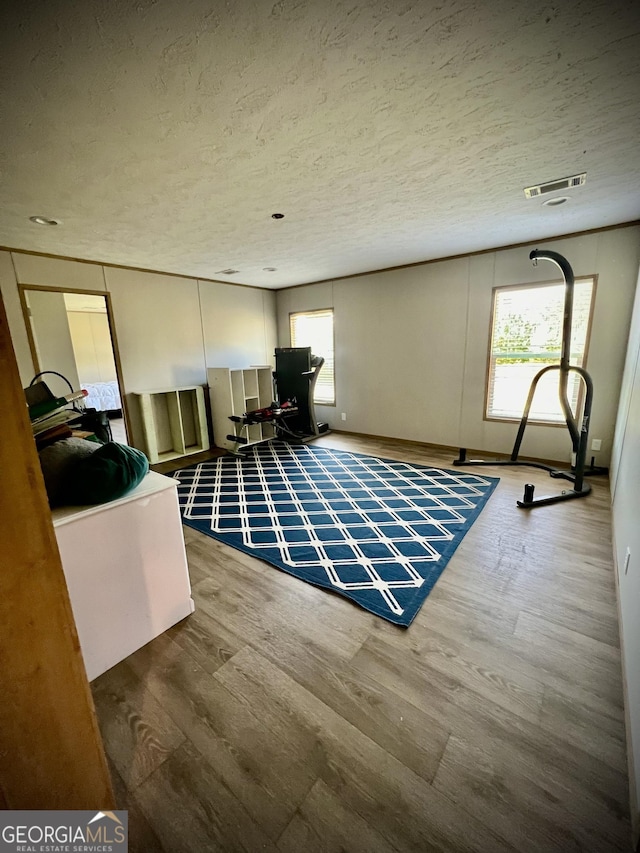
70	333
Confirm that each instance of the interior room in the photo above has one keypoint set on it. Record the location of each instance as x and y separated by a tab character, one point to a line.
189	188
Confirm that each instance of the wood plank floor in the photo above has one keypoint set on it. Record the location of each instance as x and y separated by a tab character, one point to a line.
280	717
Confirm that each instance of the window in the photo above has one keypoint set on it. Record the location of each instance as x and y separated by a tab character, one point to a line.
526	335
315	329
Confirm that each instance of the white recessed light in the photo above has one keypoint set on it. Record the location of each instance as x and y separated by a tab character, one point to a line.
44	220
269	269
554	202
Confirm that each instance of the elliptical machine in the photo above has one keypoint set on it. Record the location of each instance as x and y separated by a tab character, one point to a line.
579	432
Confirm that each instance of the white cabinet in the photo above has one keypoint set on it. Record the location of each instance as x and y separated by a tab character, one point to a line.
174	422
234	391
126	570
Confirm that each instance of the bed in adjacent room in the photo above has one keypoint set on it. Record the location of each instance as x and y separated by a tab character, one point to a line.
102	396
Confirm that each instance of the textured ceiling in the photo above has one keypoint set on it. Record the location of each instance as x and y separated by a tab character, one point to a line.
164	133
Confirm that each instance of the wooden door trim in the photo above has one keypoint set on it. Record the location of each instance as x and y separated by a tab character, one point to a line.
51	752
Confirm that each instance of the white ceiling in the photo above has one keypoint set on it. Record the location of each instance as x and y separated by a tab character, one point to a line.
164	133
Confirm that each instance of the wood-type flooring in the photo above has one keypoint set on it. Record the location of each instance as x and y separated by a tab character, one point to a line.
280	717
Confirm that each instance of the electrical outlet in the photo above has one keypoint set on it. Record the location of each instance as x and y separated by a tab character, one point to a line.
596	444
627	558
344	416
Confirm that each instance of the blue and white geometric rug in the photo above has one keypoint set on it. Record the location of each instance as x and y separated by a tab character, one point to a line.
376	531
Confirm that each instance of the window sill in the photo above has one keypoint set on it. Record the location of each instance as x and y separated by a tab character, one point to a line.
530	421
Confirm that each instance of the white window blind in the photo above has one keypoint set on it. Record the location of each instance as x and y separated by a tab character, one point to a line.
526	335
315	329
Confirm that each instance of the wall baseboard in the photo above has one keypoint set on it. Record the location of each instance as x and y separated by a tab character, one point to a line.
471	451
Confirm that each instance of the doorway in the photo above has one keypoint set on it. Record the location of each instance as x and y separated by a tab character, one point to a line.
71	333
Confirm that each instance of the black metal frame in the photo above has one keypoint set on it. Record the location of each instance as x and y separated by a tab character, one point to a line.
295	378
579	433
293	417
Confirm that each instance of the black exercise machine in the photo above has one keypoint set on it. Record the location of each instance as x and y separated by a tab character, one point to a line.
295	379
579	432
292	414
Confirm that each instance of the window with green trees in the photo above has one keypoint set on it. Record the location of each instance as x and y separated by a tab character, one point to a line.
526	335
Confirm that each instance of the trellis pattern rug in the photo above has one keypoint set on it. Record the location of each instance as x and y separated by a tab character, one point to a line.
376	531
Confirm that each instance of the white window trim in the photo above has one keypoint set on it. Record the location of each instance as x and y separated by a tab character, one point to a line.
492	418
329	363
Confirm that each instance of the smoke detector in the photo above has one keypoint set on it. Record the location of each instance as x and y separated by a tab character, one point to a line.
556	186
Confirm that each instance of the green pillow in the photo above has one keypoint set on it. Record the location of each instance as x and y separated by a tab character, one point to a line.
58	461
108	473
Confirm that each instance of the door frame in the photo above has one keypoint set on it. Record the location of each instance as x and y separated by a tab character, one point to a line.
51	751
23	288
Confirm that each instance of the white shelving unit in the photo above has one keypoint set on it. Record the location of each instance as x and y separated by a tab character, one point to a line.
234	391
174	422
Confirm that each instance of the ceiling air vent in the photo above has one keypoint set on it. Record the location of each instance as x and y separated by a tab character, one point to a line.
227	272
556	186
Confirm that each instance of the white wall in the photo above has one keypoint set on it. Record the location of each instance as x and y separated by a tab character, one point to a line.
625	488
168	328
157	319
239	324
52	339
411	344
92	347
